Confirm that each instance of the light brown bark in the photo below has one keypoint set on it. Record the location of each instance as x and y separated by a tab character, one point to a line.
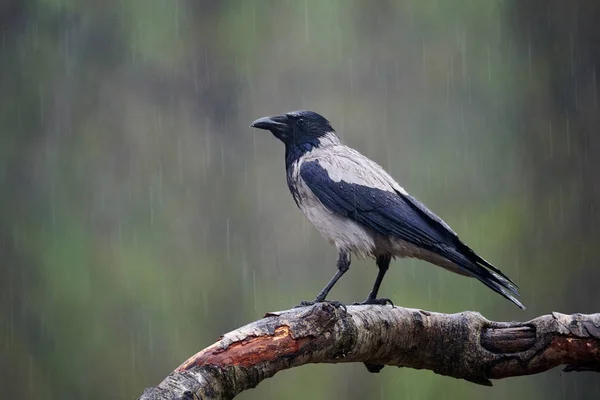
465	346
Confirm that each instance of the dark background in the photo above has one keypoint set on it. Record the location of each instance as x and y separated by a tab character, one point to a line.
140	216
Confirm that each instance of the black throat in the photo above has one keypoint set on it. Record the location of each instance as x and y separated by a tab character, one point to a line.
294	151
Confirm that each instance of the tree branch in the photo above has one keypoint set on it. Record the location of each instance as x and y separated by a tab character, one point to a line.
464	345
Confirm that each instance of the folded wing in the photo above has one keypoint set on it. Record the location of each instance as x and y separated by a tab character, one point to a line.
373	199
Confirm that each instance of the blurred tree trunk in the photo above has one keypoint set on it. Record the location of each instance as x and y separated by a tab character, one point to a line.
559	127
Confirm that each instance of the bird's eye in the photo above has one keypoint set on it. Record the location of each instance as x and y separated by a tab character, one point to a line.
300	121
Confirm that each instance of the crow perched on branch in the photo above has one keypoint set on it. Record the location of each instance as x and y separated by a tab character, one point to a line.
361	209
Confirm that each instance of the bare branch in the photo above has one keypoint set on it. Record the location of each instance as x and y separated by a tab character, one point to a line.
464	345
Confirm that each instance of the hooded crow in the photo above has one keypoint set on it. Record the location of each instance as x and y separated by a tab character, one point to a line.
361	209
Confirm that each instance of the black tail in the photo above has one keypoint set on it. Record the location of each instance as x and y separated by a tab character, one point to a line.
467	260
453	249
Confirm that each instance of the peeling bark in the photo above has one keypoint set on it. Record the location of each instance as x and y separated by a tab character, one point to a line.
465	346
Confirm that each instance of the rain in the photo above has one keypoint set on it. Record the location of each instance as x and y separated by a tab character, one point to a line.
141	218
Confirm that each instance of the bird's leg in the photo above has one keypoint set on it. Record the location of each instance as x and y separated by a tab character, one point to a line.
383	263
343	264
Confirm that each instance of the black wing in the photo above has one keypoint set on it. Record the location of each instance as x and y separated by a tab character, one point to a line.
402	216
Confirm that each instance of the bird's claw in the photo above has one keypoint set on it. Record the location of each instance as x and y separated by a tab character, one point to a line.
334	303
305	304
379	302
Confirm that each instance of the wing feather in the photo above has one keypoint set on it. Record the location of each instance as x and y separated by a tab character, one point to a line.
371	197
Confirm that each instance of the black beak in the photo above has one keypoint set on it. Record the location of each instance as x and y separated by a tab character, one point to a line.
275	123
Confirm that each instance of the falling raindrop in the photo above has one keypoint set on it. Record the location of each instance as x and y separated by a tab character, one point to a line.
228	247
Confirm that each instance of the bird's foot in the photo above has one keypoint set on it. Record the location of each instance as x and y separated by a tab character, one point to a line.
372	301
305	304
334	303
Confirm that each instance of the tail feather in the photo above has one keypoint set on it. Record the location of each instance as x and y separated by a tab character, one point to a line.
498	284
476	258
486	273
457	252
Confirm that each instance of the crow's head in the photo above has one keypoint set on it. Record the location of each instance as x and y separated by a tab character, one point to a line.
296	127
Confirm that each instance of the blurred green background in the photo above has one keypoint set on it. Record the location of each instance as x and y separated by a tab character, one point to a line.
140	216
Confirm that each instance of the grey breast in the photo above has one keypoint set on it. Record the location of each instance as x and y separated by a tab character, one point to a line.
343	232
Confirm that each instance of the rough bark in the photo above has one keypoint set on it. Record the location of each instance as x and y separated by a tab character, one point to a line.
464	345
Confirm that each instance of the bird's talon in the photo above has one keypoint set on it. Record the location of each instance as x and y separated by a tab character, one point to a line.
338	304
305	304
335	303
379	302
